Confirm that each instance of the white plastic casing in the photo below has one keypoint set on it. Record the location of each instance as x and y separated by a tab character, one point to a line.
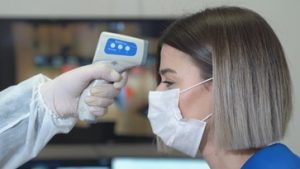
121	53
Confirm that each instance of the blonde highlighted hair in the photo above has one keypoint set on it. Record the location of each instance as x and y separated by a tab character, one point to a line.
251	80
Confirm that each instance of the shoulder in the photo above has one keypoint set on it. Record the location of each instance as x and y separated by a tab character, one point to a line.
275	156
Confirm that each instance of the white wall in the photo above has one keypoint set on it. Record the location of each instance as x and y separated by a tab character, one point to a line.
283	15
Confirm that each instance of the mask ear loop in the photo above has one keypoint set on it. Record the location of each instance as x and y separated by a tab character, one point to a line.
207	117
189	88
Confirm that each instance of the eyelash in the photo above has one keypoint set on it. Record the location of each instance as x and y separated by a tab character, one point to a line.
168	83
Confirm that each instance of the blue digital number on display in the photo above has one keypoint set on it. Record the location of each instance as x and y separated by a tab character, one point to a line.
120	47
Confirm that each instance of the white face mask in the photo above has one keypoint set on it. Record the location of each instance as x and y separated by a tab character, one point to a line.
167	122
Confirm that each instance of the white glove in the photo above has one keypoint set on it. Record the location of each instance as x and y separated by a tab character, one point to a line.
62	94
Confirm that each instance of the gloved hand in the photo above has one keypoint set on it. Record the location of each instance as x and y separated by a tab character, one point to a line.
62	94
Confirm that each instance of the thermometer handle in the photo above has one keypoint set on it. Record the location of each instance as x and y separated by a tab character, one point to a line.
83	108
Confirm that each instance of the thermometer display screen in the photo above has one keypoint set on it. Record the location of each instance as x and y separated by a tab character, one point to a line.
120	47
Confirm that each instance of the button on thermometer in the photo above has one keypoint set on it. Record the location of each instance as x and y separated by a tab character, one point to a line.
121	53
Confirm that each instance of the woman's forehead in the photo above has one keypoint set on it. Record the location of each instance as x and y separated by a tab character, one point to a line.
174	59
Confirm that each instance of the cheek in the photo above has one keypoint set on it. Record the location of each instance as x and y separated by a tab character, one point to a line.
196	104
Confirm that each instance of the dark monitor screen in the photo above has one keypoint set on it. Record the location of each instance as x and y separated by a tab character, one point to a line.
103	163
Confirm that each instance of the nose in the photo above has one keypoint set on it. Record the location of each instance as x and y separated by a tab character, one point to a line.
160	87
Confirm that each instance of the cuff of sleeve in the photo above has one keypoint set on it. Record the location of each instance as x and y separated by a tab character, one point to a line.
62	124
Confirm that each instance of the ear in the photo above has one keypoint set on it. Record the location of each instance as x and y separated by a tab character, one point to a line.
209	86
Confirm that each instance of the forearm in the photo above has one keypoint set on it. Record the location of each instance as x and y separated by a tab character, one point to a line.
26	123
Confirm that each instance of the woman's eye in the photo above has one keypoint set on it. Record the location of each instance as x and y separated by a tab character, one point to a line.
168	83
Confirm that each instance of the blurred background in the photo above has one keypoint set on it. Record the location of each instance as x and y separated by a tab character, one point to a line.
54	46
52	37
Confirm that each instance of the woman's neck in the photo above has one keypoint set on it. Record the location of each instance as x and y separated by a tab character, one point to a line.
225	159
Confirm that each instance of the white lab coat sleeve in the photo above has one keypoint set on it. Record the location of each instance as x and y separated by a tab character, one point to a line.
26	123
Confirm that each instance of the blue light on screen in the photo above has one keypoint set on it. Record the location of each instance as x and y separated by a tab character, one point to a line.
158	163
120	47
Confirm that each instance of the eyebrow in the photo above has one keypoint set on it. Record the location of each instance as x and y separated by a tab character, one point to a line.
167	70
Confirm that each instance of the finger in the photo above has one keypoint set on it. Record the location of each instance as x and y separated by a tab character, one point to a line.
104	90
98	111
122	82
99	71
105	72
98	101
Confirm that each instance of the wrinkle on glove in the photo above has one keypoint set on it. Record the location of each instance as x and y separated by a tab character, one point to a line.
26	123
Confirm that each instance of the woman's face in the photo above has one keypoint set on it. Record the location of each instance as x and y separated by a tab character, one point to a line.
177	70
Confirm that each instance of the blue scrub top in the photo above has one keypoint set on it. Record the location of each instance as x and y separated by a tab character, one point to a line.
275	156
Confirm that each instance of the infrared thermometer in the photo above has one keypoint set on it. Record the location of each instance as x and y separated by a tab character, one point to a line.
121	53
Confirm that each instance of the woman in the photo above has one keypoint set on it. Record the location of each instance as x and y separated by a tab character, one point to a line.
224	70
